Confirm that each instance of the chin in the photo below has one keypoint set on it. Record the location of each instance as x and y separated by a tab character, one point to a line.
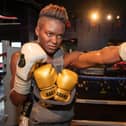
51	52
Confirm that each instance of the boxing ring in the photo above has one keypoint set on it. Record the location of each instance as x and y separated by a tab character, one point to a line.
101	101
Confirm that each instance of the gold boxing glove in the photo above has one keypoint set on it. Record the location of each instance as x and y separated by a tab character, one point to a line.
45	77
66	81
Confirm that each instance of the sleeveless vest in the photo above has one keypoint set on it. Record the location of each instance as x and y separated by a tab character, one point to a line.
59	111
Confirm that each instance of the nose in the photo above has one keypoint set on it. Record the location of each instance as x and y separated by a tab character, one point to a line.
54	39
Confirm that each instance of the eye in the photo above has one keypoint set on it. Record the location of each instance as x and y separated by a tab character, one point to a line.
49	34
59	36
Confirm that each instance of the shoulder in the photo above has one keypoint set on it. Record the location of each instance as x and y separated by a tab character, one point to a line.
71	58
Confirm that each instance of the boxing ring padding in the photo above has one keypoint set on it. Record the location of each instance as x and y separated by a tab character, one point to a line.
107	102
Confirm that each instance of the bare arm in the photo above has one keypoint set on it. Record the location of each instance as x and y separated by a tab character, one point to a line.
105	55
15	97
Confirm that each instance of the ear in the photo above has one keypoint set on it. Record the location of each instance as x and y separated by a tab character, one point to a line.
37	30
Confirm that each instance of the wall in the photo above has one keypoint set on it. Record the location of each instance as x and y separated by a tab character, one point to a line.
91	37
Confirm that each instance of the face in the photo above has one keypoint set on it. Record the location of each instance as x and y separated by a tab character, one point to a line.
50	34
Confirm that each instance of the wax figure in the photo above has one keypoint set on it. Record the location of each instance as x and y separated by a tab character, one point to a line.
42	66
31	66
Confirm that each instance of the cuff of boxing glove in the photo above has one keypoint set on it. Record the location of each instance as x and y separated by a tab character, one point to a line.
48	92
21	86
122	51
62	95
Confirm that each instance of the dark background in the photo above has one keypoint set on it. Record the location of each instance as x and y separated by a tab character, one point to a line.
88	37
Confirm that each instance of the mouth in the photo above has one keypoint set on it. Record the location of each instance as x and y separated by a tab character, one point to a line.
52	47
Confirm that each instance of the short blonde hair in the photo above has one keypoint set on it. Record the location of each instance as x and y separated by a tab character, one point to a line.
54	11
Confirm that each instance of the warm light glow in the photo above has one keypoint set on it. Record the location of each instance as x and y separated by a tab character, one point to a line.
109	17
118	17
94	16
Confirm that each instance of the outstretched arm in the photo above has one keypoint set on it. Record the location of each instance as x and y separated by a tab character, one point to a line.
105	55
